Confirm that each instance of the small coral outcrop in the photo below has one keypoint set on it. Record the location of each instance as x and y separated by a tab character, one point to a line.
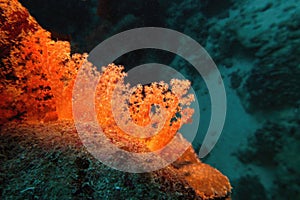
189	175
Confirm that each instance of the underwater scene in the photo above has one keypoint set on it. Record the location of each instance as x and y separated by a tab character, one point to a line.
154	99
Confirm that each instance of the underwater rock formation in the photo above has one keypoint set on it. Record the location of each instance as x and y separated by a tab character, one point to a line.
275	146
268	87
250	188
49	161
36	82
267	30
266	141
147	13
185	17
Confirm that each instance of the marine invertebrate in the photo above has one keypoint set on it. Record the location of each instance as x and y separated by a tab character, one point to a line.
16	23
169	115
189	175
37	80
44	72
37	73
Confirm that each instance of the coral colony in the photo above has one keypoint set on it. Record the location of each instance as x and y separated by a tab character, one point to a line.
36	82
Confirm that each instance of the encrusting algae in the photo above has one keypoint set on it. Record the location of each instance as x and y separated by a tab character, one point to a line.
36	83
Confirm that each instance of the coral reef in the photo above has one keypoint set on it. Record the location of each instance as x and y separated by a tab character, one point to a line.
16	23
58	164
36	82
275	146
288	172
273	44
188	170
50	162
170	112
266	89
139	10
275	39
184	17
270	88
37	75
258	44
265	145
249	188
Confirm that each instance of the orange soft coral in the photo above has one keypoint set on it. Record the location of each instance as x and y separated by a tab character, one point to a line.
44	71
16	23
189	175
36	80
40	72
168	102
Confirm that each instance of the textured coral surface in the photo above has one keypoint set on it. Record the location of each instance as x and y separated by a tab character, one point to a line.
37	73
